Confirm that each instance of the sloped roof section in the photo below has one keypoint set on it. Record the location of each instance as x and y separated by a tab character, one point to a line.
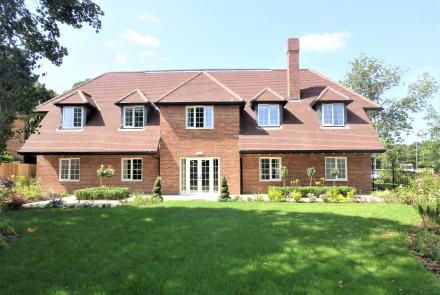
134	97
268	95
201	88
78	97
331	95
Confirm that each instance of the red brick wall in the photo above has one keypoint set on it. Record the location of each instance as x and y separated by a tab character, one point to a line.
358	166
177	142
48	172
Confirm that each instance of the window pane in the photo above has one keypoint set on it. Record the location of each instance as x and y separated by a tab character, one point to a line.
183	174
74	169
274	116
128	118
342	168
208	117
139	116
67	117
126	169
190	117
215	166
275	169
205	175
329	165
327	113
200	115
265	168
263	115
137	169
64	169
338	114
193	175
77	117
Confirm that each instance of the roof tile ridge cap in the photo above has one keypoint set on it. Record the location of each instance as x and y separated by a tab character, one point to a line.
142	95
82	96
223	86
71	91
343	86
339	93
125	96
178	86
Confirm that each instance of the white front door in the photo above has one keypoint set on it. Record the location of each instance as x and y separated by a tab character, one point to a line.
199	175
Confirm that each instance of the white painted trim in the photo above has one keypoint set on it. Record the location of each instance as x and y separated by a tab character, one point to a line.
333	117
336	163
133	118
268	115
199	182
68	174
122	170
83	118
270	169
199	106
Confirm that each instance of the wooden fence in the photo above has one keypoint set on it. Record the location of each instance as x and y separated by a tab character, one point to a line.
17	169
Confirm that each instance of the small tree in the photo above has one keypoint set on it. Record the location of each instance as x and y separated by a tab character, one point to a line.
311	171
104	172
157	189
224	193
284	172
334	173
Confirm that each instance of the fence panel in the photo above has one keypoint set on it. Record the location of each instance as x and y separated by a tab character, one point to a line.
17	169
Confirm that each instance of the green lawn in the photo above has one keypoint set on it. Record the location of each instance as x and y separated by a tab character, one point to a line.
216	248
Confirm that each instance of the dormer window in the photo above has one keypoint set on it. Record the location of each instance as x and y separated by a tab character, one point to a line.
333	114
73	117
134	116
200	117
268	115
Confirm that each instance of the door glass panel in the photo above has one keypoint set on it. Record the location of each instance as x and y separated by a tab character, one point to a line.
215	174
205	175
193	179
183	175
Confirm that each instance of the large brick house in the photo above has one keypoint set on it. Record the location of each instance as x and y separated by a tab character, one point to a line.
194	127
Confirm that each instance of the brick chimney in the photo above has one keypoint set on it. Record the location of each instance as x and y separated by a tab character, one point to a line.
293	87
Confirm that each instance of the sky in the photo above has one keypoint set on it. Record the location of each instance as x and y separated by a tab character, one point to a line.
167	35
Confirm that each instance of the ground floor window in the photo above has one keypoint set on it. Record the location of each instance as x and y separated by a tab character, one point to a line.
270	169
132	169
69	169
336	162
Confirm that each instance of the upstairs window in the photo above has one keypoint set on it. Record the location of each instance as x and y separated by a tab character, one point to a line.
336	162
200	117
73	117
333	114
134	117
270	169
268	115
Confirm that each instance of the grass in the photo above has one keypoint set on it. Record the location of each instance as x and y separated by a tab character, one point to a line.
216	248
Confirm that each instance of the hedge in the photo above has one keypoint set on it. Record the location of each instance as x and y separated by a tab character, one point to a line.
102	193
332	193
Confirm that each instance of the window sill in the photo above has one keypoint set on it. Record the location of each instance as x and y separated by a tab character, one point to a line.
270	127
131	129
335	127
340	180
70	129
199	128
131	180
270	180
67	180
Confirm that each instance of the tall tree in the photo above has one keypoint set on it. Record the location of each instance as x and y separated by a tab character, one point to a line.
373	78
432	117
28	35
80	82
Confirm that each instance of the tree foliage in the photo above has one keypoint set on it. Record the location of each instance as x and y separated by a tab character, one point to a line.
372	78
80	82
28	35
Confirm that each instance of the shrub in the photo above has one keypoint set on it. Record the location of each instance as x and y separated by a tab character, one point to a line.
312	197
141	200
104	172
427	243
157	189
296	195
224	194
387	195
6	187
27	187
56	203
6	157
7	232
102	193
280	194
13	202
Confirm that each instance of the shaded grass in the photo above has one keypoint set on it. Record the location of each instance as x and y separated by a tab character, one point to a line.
216	248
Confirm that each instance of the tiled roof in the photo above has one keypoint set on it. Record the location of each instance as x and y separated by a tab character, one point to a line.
301	130
268	95
134	97
78	97
331	95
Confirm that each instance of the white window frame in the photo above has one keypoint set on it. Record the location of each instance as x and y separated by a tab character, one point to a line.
333	114
122	169
194	118
269	106
69	170
336	162
133	107
211	175
270	169
73	116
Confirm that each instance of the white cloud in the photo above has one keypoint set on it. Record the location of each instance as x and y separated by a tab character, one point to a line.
121	59
135	37
146	54
326	42
146	17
